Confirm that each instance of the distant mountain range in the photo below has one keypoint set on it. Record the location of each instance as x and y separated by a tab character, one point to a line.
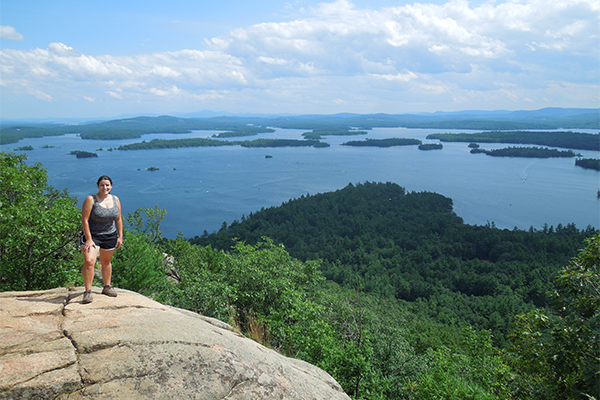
545	118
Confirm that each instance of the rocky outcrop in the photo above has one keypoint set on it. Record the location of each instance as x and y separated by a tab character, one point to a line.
131	347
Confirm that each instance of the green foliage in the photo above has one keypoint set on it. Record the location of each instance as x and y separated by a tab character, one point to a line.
556	350
147	222
258	280
139	265
471	370
38	228
12	134
135	127
411	246
201	284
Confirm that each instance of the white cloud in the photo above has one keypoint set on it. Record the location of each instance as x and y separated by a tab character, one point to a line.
38	94
8	32
398	77
115	94
165	72
338	54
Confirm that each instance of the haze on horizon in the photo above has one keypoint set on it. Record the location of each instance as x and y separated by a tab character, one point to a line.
74	59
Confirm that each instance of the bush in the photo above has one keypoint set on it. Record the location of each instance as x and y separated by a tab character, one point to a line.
39	227
138	265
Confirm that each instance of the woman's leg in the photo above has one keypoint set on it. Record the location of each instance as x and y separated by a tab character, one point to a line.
89	262
105	261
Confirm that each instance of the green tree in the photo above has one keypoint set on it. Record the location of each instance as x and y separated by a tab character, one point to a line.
38	228
557	350
147	221
140	265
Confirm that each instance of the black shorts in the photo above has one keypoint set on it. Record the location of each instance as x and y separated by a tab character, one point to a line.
107	241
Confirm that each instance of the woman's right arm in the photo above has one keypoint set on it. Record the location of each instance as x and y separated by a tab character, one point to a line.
86	210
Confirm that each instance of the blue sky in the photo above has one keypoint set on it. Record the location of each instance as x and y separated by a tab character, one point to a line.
83	59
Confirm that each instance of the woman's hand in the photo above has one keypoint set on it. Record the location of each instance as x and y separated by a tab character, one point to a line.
119	242
89	245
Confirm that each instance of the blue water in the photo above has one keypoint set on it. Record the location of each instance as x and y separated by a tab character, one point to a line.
203	187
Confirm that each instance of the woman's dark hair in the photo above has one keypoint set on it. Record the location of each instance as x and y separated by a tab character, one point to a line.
104	178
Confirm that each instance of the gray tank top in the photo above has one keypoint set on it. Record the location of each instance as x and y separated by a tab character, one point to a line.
102	219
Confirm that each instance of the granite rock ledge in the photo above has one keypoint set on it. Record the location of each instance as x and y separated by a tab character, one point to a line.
131	347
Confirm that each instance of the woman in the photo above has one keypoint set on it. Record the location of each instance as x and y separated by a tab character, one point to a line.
102	234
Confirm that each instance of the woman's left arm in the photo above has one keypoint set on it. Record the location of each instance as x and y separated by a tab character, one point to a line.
119	222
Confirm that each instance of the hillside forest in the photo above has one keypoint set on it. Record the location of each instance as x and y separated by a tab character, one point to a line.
387	290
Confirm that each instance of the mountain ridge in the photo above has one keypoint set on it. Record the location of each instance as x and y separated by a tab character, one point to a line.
205	114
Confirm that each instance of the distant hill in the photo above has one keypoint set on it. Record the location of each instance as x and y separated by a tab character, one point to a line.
548	118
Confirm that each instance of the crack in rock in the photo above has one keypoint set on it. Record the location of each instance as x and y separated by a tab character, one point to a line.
64	332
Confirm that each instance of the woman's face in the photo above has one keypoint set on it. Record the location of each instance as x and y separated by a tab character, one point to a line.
104	186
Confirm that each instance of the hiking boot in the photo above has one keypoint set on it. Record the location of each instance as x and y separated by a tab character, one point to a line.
87	297
109	291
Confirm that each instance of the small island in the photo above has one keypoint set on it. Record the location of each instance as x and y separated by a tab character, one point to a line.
24	148
153	168
318	133
588	163
384	142
527	152
245	131
431	146
83	154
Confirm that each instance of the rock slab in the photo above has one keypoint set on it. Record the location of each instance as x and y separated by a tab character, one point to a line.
131	347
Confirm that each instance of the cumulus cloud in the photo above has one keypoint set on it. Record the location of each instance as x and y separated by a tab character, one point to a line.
8	32
343	55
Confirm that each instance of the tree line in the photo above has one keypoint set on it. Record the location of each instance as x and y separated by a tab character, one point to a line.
528	152
129	128
202	142
564	139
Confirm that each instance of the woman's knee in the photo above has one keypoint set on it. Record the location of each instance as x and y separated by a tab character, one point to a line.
89	260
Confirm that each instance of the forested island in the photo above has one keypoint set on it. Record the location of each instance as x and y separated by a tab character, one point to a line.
83	154
567	140
201	142
319	133
527	152
24	148
244	131
383	142
431	146
387	290
589	163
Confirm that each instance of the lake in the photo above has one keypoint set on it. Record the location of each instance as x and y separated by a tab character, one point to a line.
205	186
